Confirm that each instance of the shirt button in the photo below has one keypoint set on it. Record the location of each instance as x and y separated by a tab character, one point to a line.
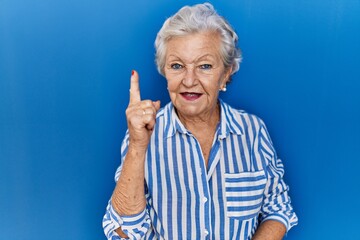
206	232
204	199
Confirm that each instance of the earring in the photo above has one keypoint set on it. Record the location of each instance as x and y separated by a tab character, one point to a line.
223	89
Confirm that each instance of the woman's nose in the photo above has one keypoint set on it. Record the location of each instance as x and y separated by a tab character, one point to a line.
189	79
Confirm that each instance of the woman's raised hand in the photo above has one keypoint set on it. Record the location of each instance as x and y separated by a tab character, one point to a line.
140	115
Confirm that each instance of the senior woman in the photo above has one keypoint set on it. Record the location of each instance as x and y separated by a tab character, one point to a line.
197	168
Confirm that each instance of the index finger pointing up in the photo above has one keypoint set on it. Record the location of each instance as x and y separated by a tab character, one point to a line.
134	88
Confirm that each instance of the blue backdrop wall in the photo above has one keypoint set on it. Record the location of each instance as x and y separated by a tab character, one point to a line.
64	80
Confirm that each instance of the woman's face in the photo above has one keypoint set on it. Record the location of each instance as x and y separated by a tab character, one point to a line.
195	73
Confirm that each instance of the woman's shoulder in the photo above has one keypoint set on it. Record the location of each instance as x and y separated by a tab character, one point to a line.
241	116
164	111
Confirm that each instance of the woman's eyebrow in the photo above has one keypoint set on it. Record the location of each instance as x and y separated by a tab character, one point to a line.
206	57
173	57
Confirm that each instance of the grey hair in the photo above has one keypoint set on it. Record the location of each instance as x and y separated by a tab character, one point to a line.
195	19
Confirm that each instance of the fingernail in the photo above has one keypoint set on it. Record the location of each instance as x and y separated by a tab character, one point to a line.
132	72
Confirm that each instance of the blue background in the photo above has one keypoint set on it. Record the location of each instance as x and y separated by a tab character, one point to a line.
64	80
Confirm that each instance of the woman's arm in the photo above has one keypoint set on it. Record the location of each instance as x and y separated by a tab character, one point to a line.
129	194
270	230
128	198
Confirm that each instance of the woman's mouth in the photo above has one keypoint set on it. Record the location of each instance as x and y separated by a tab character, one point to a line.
190	96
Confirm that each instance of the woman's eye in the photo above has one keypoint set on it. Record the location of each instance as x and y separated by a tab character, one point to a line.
205	66
176	66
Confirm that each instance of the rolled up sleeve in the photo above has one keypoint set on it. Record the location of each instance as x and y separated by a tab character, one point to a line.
134	226
277	203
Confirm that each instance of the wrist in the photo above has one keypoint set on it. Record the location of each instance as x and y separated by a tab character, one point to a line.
137	150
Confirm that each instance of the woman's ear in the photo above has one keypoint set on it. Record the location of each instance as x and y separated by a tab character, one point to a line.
227	75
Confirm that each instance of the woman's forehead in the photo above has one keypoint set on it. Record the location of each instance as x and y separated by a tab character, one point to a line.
194	46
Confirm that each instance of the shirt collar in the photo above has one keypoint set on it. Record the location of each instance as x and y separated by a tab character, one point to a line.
230	121
173	123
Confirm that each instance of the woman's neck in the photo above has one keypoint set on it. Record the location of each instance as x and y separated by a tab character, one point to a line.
204	123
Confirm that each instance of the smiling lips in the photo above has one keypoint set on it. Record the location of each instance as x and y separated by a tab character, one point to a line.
190	96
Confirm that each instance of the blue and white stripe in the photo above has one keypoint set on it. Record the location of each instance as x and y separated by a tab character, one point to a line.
241	186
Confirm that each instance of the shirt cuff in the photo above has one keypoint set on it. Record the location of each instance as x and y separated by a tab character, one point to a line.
134	226
288	222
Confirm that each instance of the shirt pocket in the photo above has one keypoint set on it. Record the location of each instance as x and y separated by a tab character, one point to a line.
244	194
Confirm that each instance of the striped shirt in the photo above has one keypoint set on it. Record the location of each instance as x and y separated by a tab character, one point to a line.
241	186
